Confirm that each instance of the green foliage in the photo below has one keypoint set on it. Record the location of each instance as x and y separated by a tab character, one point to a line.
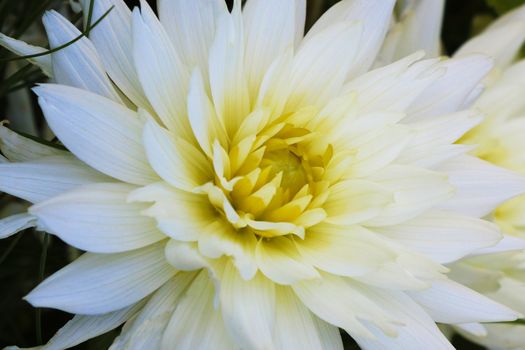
502	6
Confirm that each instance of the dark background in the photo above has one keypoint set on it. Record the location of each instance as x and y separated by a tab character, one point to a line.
22	264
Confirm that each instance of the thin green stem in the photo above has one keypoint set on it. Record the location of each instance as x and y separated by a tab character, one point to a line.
9	249
90	17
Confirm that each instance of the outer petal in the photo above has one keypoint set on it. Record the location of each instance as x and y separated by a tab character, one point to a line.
100	283
443	236
480	186
145	330
375	17
273	20
100	132
248	308
23	49
321	64
82	327
16	223
416	329
98	219
450	302
191	27
113	40
163	76
77	65
36	181
178	162
18	148
297	328
196	323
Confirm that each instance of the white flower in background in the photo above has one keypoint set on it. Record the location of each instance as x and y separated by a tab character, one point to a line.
499	139
236	185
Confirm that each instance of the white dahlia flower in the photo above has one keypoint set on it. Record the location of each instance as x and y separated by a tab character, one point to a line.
236	185
499	139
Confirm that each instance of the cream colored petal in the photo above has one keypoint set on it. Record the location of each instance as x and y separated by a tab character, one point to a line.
321	64
36	181
480	186
443	236
273	20
354	201
196	323
191	26
450	302
83	327
97	218
228	80
375	17
162	74
100	283
18	148
248	309
77	65
280	261
414	191
113	40
178	162
297	328
100	132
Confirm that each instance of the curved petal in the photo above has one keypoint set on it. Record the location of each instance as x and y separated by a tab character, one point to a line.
36	181
163	76
16	223
21	48
100	132
77	65
248	308
97	218
100	283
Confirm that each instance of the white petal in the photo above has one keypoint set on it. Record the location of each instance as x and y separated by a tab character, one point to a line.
480	186
191	27
443	236
452	89
450	302
273	20
297	328
145	330
18	148
476	329
346	251
77	65
100	132
100	283
16	223
506	244
196	323
343	304
501	41
178	162
36	181
163	76
83	327
355	201
375	18
97	218
248	308
415	190
321	64
416	329
21	48
112	38
227	76
280	261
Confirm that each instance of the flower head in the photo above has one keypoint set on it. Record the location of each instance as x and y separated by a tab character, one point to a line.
238	185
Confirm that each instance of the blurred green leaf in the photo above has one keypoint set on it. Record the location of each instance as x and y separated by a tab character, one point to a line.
502	6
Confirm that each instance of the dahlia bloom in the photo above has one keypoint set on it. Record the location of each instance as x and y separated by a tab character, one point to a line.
498	140
238	185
